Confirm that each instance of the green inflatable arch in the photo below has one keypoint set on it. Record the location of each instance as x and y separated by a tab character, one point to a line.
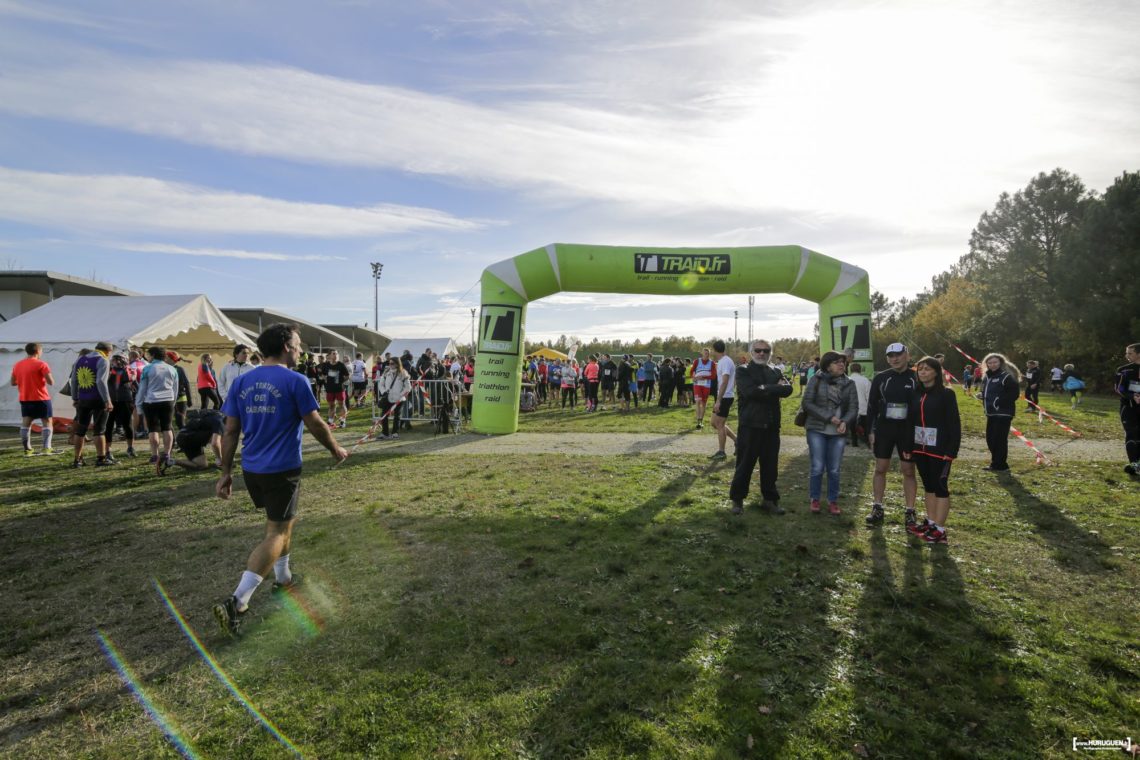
841	290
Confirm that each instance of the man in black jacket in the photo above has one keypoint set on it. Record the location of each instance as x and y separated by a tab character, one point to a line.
1128	386
759	389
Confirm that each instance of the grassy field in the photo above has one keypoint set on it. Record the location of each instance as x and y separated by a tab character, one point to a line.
552	606
1096	419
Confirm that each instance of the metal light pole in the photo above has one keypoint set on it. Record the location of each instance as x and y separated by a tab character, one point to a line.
735	318
376	269
751	304
473	330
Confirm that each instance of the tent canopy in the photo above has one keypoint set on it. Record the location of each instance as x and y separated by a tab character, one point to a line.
549	353
188	320
440	346
189	324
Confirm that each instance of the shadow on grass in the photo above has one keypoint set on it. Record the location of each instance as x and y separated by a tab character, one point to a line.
1073	546
929	668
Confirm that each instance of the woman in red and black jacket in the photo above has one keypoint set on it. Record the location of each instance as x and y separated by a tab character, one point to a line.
937	437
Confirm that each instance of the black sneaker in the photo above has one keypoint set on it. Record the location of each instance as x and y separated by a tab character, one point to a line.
911	519
293	583
131	453
876	516
228	617
771	508
737	507
103	462
77	463
1133	468
719	456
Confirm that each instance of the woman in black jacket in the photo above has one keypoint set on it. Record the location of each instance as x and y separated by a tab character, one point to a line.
1001	386
937	437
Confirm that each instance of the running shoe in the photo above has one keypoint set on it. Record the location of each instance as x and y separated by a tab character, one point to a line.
154	459
833	507
32	453
910	519
919	528
1133	468
876	516
228	617
935	536
103	462
77	463
131	453
737	507
49	452
394	436
815	506
719	456
296	580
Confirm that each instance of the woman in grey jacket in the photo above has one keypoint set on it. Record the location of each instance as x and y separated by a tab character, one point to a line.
831	403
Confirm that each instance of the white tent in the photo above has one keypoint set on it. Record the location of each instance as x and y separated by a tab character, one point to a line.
440	346
189	324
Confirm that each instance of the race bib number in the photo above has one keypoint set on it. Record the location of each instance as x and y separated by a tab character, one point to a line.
924	436
1134	387
897	411
334	376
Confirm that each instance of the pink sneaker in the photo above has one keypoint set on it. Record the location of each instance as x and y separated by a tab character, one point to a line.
815	506
833	507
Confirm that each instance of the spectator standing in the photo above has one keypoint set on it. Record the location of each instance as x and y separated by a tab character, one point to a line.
235	369
1128	387
158	390
92	398
32	378
937	437
1000	390
208	384
182	401
1033	377
832	405
888	408
863	389
760	388
121	388
725	392
336	374
592	373
393	386
666	379
652	375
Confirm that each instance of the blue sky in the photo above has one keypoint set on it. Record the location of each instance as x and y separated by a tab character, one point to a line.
264	153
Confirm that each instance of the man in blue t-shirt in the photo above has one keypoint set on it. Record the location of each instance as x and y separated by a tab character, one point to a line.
268	407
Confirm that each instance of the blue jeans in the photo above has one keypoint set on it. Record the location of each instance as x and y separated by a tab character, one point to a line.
826	455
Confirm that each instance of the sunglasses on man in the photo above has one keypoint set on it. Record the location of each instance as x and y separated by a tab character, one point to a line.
761	350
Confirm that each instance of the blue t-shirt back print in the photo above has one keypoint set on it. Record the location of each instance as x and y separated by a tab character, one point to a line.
270	402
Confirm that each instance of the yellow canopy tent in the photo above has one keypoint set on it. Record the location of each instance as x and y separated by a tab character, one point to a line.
549	353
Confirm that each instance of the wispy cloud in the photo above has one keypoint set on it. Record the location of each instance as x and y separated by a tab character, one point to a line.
111	202
47	13
832	122
221	253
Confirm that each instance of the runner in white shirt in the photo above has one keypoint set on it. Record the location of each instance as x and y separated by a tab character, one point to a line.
725	393
358	374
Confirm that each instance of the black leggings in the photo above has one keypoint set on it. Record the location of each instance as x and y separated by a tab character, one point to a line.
385	405
209	396
121	416
572	395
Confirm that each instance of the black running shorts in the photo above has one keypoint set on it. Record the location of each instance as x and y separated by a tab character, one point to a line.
275	492
889	436
158	416
935	474
90	414
724	408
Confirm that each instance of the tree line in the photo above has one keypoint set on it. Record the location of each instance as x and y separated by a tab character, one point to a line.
1047	277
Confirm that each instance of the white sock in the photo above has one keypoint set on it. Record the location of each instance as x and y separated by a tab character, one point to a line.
47	438
249	583
25	434
281	570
